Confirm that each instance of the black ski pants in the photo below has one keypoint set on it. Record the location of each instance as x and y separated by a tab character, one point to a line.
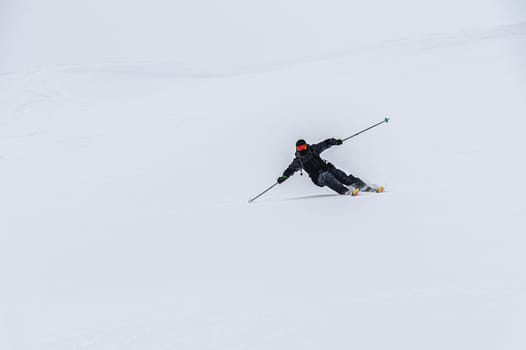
336	180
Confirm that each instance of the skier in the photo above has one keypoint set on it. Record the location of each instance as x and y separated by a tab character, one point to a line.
323	173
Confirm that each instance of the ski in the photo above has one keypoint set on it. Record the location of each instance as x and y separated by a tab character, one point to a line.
373	189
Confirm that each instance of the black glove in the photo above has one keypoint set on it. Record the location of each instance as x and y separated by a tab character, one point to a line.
282	179
338	142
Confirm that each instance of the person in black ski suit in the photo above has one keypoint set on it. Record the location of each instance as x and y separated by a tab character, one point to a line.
321	172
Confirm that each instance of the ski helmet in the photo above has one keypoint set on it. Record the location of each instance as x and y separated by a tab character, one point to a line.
301	146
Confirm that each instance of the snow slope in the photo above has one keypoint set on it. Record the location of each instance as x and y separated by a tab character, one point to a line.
125	176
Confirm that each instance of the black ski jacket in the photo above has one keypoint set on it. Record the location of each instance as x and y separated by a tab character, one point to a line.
311	161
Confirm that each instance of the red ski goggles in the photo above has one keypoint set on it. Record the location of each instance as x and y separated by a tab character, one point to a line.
301	148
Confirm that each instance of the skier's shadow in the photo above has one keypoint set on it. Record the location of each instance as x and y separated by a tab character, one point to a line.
313	196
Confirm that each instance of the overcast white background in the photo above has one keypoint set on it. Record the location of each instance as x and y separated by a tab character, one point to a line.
132	134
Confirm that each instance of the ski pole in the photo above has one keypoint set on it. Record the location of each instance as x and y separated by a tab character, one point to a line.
386	120
262	193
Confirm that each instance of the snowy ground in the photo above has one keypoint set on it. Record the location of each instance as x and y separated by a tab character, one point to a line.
124	221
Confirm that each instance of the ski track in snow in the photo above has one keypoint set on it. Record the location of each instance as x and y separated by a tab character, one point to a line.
426	42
